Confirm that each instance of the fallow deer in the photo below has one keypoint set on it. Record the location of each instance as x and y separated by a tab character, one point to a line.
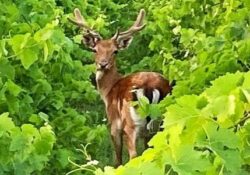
119	91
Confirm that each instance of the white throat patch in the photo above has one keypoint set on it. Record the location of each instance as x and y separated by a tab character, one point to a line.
99	75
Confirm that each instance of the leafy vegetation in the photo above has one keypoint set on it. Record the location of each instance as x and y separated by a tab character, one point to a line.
24	149
44	81
204	134
49	107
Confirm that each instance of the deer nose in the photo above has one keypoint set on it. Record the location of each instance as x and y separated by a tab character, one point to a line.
103	64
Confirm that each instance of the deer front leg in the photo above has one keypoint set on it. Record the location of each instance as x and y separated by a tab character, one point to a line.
116	135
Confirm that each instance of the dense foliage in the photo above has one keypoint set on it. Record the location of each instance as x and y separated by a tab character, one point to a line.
49	107
45	81
204	134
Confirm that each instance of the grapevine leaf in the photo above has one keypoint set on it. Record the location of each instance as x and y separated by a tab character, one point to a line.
28	57
13	88
229	82
6	124
6	69
18	42
18	143
218	137
187	157
185	109
150	168
43	34
246	94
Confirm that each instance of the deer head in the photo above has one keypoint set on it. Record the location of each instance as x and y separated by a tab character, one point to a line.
105	49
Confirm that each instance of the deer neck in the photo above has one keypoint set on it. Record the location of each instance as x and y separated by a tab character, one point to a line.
106	79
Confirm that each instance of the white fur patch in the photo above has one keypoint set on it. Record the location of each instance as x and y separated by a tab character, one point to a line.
136	118
139	92
99	75
138	121
156	96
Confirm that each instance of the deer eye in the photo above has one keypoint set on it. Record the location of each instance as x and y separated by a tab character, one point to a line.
116	51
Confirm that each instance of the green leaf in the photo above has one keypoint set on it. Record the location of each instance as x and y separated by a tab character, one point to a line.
187	157
45	51
43	116
38	161
159	140
18	143
6	123
43	86
218	137
42	147
29	131
35	119
187	35
154	111
18	42
131	170
108	170
246	94
185	109
28	57
63	155
232	160
24	40
202	102
13	88
3	50
13	104
246	80
224	85
149	168
6	69
226	149
43	34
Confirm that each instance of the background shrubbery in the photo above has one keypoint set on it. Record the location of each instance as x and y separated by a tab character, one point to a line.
49	107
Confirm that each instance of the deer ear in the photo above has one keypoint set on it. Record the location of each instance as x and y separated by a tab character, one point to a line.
124	43
90	41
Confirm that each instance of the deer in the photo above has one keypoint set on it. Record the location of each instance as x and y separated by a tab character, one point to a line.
119	91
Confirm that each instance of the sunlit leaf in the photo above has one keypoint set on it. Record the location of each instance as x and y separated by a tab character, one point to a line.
45	51
6	124
28	57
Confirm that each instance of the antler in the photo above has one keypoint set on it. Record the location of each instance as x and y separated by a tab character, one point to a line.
81	22
137	26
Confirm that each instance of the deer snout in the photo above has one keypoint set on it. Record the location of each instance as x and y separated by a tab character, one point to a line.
103	64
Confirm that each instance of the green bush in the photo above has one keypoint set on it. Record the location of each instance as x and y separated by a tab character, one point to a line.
45	77
24	149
